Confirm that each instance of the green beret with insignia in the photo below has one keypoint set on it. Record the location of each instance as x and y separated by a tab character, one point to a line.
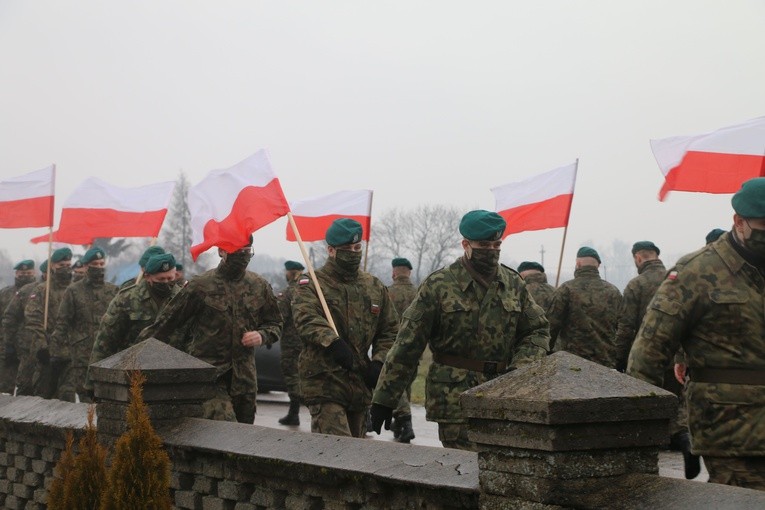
401	262
644	245
44	267
24	265
161	263
480	225
150	251
61	254
179	267
77	264
586	251
527	265
714	235
92	254
344	231
291	265
749	201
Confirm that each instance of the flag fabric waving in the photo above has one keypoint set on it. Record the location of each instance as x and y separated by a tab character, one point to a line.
716	162
313	216
230	204
99	209
543	201
27	200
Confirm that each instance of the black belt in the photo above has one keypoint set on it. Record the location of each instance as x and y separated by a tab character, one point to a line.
753	376
488	368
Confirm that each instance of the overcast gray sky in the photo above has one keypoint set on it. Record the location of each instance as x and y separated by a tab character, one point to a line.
423	102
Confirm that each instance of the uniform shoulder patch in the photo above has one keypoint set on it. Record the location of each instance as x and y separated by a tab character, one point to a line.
375	309
672	275
303	281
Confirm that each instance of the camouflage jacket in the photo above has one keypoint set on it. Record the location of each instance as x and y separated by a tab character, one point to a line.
208	318
6	296
540	290
402	293
364	317
79	315
712	303
637	294
290	338
449	316
14	331
583	316
34	316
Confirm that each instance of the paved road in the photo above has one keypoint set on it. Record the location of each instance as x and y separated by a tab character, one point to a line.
272	406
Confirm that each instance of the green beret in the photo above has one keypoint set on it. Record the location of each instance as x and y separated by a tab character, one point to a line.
179	267
586	251
44	267
714	235
150	251
77	264
344	231
482	225
644	245
401	262
291	265
749	201
61	254
92	254
24	265
161	263
526	265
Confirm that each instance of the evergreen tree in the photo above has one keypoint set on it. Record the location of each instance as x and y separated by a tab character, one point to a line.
87	479
61	474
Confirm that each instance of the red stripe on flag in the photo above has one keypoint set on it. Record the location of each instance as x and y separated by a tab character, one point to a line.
314	228
254	208
27	212
81	226
712	172
551	213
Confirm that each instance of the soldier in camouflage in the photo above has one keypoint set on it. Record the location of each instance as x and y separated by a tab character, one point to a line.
478	319
714	235
290	343
533	273
402	293
711	304
220	316
584	312
336	376
78	271
180	275
79	317
149	252
24	273
48	371
15	337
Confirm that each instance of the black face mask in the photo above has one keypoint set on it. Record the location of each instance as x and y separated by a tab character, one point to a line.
235	265
76	277
756	242
20	281
484	261
161	289
348	261
96	274
63	275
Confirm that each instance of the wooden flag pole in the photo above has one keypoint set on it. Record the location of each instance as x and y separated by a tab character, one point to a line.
47	278
369	234
311	272
565	230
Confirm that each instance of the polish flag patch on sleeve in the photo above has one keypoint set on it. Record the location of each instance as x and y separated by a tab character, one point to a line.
303	281
672	275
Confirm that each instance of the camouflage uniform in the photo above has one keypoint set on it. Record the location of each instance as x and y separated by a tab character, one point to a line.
711	304
402	293
540	290
455	316
16	338
8	367
291	344
207	319
364	317
583	314
82	307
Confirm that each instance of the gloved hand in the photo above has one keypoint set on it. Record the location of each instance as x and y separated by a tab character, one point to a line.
43	356
341	353
372	374
381	414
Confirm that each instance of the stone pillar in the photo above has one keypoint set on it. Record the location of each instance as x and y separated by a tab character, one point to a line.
176	385
556	432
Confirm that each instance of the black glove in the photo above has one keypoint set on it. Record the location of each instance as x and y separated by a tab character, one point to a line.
10	356
341	353
43	356
381	414
372	374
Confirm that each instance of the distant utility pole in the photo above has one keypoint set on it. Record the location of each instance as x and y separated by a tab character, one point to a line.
542	255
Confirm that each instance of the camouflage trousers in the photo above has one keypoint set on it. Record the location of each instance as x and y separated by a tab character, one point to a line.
455	435
225	407
747	472
334	419
8	376
403	408
48	378
26	373
289	365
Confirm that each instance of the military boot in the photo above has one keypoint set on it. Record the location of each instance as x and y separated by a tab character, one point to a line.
682	442
406	433
395	427
293	415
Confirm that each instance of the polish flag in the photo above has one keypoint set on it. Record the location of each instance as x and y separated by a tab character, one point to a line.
716	162
313	216
541	202
230	204
27	200
99	209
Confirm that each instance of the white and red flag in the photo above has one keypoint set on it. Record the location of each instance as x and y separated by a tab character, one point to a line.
98	209
716	162
313	216
537	203
27	200
230	204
